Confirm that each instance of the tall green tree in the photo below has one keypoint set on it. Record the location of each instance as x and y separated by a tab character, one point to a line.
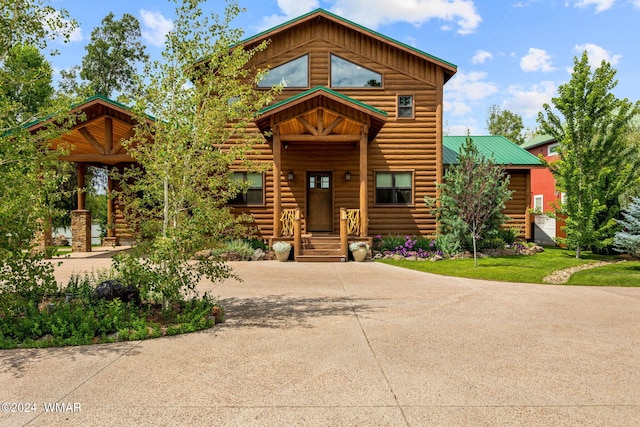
597	163
505	123
27	168
203	97
628	239
472	197
112	61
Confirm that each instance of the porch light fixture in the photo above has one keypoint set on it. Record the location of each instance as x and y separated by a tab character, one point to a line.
347	176
290	176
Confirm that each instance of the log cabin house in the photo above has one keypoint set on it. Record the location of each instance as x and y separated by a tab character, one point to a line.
354	141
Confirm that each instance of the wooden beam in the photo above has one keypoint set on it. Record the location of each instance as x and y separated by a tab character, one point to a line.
90	138
118	146
108	135
277	159
364	212
332	126
106	159
320	138
321	121
82	171
308	126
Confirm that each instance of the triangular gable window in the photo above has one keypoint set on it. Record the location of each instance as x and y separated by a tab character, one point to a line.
291	74
347	74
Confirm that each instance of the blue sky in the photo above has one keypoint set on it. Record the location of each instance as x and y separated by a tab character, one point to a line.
510	53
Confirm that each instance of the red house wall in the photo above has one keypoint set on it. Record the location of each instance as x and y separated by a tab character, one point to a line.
542	180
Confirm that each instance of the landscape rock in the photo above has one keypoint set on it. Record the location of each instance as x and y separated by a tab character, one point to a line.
60	240
258	255
112	289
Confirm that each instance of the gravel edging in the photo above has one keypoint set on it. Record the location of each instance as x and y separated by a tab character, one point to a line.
560	277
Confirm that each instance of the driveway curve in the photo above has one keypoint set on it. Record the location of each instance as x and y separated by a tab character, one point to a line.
349	344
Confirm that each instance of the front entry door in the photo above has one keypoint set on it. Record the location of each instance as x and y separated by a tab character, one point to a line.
319	201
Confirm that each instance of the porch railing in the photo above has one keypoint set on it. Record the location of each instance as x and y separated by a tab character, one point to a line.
288	219
353	221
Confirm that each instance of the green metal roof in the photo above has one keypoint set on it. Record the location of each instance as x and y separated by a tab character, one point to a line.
346	21
538	140
326	90
499	148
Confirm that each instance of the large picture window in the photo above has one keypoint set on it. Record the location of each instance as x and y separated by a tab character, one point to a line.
394	188
347	74
291	74
254	194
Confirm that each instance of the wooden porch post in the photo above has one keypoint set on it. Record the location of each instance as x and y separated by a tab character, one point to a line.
344	238
110	207
297	235
364	214
82	171
277	208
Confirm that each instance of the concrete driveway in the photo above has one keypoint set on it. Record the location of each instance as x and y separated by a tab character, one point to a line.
353	344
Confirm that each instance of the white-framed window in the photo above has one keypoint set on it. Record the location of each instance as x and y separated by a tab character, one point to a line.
405	107
538	203
552	150
563	198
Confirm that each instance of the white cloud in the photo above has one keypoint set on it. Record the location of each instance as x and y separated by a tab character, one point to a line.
536	60
155	27
465	89
481	56
528	101
290	9
374	13
597	54
635	3
601	5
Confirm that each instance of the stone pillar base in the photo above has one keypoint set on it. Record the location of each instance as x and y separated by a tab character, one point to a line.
81	231
110	241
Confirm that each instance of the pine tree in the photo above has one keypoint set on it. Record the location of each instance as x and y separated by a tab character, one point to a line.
628	240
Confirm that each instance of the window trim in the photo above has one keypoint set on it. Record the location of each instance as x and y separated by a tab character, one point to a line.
308	55
393	172
262	188
541	198
413	106
330	83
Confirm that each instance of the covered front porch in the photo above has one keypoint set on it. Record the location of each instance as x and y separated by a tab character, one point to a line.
320	141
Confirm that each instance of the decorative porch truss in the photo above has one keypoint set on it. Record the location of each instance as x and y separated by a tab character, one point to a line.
323	116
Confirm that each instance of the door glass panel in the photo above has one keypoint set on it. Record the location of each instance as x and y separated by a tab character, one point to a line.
312	182
324	182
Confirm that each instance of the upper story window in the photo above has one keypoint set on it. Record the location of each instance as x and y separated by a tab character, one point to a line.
553	149
291	74
347	74
405	107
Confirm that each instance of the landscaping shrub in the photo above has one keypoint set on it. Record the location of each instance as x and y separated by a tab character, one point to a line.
241	247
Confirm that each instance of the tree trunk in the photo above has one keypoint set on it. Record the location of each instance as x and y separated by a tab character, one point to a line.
578	252
475	251
165	223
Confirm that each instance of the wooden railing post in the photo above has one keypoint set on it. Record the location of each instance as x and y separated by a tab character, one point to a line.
297	234
344	239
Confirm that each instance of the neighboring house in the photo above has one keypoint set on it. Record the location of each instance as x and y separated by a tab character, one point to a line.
518	163
544	195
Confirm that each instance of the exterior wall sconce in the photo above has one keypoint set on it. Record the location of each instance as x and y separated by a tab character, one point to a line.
347	176
290	176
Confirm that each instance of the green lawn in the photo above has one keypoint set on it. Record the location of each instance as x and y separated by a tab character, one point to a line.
622	274
528	269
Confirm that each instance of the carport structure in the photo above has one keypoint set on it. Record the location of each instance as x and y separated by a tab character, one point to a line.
96	140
